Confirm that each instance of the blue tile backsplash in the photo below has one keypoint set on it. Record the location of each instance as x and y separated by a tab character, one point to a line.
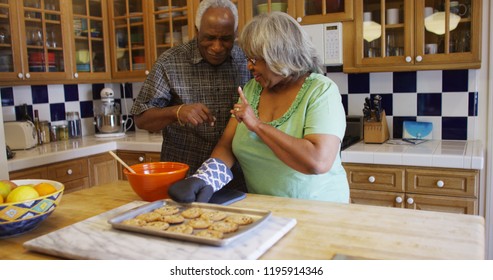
445	98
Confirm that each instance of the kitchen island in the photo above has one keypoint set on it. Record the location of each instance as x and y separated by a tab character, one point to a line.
323	230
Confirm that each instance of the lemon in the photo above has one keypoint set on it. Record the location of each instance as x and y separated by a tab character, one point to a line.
22	193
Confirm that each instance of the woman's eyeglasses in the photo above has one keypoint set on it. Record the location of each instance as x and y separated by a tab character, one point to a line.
252	60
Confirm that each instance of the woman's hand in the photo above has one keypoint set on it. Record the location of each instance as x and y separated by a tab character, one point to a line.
243	112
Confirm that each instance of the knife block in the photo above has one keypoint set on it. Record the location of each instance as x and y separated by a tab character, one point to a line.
376	131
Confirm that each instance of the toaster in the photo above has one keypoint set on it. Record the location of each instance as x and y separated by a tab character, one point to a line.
20	135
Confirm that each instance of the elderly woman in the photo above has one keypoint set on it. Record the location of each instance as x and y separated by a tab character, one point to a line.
287	127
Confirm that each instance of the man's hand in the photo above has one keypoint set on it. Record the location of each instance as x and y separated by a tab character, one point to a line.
191	189
195	114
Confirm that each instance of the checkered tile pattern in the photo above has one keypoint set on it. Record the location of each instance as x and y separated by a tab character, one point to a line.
448	99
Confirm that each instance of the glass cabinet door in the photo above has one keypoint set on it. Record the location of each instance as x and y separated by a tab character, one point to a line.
171	26
256	7
127	22
43	34
322	11
385	31
90	47
10	65
447	27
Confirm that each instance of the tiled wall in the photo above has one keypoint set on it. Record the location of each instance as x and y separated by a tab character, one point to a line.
448	99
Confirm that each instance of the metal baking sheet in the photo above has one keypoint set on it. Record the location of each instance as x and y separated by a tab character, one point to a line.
259	217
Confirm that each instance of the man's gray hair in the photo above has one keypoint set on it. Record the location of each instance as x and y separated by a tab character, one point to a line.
279	40
206	4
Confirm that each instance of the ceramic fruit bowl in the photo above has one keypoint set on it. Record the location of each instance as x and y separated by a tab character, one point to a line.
17	218
152	180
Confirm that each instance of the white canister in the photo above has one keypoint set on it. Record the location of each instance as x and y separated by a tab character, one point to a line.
392	16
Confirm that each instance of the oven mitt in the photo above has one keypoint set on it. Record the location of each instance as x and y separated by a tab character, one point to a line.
211	176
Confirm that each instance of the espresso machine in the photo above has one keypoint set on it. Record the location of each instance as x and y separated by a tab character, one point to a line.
107	116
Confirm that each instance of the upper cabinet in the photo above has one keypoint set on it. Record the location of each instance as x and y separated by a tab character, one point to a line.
35	47
323	11
169	25
53	41
404	35
90	41
130	47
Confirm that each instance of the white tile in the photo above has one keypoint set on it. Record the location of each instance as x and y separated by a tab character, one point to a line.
85	92
355	104
455	104
473	81
448	161
436	133
72	106
22	95
471	128
388	158
429	81
381	82
8	113
405	104
341	80
56	94
417	159
43	111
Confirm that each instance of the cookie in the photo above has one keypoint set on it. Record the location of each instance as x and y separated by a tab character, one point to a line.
199	223
224	227
174	219
239	219
209	233
167	210
192	213
149	217
183	228
134	222
213	215
156	225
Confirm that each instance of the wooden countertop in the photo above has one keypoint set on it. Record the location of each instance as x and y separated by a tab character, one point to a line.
323	229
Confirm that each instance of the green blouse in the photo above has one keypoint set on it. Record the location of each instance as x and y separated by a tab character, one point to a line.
317	109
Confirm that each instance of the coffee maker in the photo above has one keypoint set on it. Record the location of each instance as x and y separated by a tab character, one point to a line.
107	116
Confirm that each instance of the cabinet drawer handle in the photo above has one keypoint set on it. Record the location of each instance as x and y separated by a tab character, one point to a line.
410	201
20	75
398	199
408	59
141	159
69	172
371	179
440	184
419	58
28	75
299	19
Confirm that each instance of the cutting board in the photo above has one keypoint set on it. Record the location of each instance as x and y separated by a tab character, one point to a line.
94	238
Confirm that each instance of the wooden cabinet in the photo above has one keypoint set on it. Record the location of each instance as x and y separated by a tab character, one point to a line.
37	49
406	35
90	47
103	169
53	41
434	189
132	157
75	174
323	11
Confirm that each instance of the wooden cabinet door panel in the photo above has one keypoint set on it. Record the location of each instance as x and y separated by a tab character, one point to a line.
153	157
103	169
442	204
442	182
377	198
68	170
76	185
31	173
130	158
375	177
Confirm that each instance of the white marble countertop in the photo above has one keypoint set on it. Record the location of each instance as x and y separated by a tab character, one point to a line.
434	153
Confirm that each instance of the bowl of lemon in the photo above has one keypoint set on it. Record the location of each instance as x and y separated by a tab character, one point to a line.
24	204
